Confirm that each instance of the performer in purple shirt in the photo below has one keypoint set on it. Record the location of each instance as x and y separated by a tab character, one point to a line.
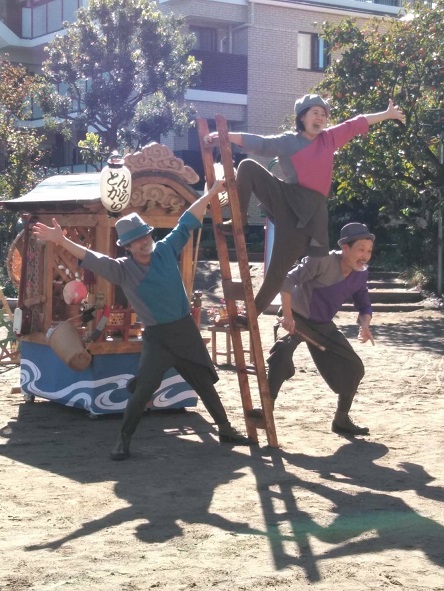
312	294
297	205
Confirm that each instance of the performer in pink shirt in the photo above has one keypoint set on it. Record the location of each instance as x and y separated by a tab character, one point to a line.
297	205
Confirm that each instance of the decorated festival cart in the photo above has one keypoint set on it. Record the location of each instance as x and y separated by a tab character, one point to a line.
80	342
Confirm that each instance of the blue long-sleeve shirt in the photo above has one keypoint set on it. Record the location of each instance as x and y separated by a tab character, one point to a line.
155	291
318	288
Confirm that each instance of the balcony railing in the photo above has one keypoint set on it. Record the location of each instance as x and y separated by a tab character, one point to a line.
396	3
222	72
385	2
48	17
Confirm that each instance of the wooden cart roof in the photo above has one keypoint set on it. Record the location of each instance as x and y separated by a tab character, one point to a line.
64	188
161	186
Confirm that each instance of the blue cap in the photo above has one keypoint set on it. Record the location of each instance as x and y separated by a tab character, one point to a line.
131	227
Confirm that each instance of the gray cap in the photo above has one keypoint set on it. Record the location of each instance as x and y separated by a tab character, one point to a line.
131	227
355	231
310	100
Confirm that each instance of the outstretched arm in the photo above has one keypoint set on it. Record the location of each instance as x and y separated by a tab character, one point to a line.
57	236
199	207
392	112
234	137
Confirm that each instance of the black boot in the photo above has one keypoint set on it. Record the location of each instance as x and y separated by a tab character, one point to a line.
121	449
229	434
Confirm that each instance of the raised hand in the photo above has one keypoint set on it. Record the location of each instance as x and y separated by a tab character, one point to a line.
48	234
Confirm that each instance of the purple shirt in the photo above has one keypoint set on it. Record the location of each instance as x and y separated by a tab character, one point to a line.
318	288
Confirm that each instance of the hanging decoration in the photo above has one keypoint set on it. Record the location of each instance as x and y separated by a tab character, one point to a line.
115	184
75	292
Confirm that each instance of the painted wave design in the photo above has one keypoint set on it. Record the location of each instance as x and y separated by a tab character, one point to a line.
168	395
71	395
104	395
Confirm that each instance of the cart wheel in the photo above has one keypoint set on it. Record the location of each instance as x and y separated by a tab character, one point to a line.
28	398
93	416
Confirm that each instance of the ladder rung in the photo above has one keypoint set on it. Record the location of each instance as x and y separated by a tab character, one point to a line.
251	371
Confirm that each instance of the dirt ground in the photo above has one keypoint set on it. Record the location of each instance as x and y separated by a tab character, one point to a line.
184	513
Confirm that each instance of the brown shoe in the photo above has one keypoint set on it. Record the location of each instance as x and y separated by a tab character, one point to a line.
121	449
348	427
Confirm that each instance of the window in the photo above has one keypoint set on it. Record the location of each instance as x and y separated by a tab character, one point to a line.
313	52
206	38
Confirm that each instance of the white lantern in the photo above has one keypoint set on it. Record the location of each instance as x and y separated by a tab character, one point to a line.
115	184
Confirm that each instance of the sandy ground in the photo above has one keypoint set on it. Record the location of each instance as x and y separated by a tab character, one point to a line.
184	513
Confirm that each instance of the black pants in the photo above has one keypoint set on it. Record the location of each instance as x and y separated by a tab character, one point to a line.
339	365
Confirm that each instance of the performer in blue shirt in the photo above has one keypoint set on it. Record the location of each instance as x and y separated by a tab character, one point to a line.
312	293
151	281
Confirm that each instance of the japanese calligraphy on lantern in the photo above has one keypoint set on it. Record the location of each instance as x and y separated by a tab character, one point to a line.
115	188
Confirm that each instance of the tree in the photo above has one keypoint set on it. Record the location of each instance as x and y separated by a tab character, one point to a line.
125	68
19	145
19	150
394	172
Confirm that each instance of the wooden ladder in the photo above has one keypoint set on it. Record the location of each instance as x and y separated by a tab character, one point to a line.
238	290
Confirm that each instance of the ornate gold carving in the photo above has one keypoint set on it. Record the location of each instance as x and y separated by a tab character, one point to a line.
157	157
151	196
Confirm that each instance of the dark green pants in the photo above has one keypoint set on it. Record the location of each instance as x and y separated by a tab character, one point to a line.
177	345
298	215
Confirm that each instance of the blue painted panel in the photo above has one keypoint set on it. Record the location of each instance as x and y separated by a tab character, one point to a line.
99	389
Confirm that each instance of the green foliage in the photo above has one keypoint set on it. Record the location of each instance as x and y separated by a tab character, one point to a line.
6	284
19	145
422	277
92	150
395	59
19	151
156	114
126	68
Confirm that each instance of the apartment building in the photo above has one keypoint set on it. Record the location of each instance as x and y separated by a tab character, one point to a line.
257	55
26	27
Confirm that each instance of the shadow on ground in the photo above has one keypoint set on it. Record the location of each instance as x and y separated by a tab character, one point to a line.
177	465
425	334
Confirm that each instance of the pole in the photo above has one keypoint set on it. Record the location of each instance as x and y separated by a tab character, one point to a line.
440	244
